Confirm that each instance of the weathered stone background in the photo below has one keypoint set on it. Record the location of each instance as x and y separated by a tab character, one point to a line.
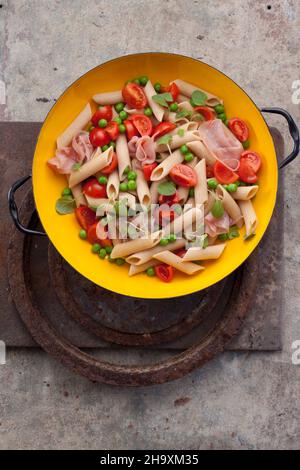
239	400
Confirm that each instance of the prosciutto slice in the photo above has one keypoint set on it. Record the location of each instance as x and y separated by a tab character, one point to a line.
81	150
143	149
82	146
215	226
221	142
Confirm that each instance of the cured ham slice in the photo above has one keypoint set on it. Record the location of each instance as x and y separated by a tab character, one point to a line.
63	161
82	146
221	142
143	149
215	226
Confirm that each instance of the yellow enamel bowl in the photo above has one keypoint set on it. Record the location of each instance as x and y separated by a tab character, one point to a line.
63	230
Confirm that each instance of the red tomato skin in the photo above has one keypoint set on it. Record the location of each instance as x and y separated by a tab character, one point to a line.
183	175
85	216
134	96
164	272
99	137
253	159
223	174
170	200
246	173
174	90
93	188
163	128
142	123
91	234
147	169
181	252
239	128
112	166
103	240
112	129
206	112
104	112
165	216
209	171
131	130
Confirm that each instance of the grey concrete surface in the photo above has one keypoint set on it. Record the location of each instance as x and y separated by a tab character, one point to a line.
243	401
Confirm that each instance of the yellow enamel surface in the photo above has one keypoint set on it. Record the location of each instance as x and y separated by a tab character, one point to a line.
63	230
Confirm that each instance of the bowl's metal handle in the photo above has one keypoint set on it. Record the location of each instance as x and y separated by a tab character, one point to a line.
294	132
13	209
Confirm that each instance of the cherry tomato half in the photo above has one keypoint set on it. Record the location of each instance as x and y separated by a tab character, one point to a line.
173	89
223	174
93	188
134	96
112	129
142	123
112	166
92	234
206	112
85	216
183	175
131	130
164	272
209	171
163	128
104	112
252	158
99	137
239	128
147	169
103	235
246	172
170	200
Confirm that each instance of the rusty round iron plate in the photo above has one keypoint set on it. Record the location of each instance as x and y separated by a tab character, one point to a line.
53	342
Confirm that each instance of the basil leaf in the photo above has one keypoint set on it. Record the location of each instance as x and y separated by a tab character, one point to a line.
164	140
163	99
167	188
198	98
184	113
233	232
248	237
65	205
204	240
76	166
180	132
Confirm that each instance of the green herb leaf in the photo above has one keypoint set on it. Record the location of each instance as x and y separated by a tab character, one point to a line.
184	113
180	132
204	240
198	98
164	140
167	188
65	205
163	99
197	117
248	237
233	232
76	166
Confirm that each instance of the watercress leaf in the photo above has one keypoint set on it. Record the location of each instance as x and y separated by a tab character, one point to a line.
167	188
164	140
233	232
65	205
163	99
184	113
198	98
76	166
197	117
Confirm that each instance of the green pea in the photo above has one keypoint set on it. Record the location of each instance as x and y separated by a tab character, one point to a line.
123	115
192	192
189	157
143	80
102	253
217	209
123	186
108	249
173	107
102	179
102	123
105	147
118	120
164	242
184	149
122	128
66	192
172	237
112	144
157	87
219	109
96	248
119	107
120	261
212	183
148	112
131	175
111	260
137	81
223	117
82	234
246	144
131	185
150	272
223	237
231	188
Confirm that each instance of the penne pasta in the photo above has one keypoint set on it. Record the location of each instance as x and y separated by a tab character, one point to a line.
96	202
134	269
209	203
154	195
144	256
127	248
113	183
244	193
186	106
122	152
111	97
190	203
99	161
182	98
201	151
230	206
177	262
187	89
163	169
201	193
186	126
78	195
177	141
79	123
143	191
182	222
183	194
201	254
158	110
250	217
130	198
